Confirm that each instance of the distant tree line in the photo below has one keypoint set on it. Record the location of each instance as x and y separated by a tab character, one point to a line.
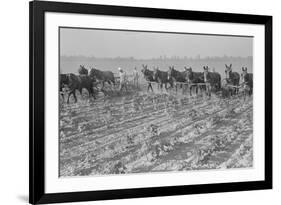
164	58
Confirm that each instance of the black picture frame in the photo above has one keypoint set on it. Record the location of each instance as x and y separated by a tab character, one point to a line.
37	10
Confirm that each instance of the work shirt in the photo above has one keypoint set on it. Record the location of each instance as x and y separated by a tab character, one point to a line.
136	74
122	76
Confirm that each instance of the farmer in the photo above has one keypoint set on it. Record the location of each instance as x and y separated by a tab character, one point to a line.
122	76
136	77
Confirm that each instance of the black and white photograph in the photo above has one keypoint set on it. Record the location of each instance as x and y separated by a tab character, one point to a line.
138	102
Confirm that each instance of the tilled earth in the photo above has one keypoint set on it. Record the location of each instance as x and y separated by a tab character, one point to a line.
154	132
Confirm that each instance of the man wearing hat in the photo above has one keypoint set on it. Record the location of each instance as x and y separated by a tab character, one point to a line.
122	76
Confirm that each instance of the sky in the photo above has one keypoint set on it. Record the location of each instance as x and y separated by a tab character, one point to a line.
146	45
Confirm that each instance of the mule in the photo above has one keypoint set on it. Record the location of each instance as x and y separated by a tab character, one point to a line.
176	76
82	70
246	82
102	76
212	80
232	78
162	78
148	76
74	82
193	78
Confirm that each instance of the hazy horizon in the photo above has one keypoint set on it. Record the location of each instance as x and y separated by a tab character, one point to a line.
148	45
155	58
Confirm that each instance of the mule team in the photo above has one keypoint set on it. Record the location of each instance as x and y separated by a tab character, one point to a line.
206	80
85	79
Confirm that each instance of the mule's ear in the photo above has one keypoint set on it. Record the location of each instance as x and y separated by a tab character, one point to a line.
225	65
230	65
